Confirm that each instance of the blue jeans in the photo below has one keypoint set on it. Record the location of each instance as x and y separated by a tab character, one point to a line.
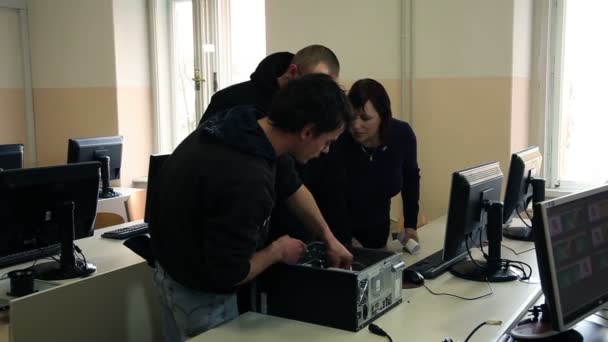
187	312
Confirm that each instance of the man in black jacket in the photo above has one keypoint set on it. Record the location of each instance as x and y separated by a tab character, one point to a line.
292	182
273	73
216	195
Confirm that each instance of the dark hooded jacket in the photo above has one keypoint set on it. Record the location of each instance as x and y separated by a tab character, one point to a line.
319	175
214	203
258	91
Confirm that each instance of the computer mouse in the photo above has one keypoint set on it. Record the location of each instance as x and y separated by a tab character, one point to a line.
413	277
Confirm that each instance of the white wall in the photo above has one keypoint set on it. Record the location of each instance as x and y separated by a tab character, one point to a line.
133	90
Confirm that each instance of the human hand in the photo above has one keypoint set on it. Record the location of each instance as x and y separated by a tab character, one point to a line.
289	250
338	255
409	240
410	233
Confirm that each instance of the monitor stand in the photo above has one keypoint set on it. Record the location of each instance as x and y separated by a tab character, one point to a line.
106	191
543	331
525	233
492	270
67	267
539	328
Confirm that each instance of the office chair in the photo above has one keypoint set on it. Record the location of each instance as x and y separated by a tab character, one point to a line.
103	220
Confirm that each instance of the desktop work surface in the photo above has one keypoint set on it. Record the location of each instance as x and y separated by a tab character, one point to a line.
116	303
421	316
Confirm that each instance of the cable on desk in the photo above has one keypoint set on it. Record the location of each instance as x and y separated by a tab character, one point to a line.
84	258
600	316
521	218
466	242
512	263
515	253
459	297
491	322
376	330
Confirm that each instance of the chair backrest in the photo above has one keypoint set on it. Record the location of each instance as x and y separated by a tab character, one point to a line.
103	220
135	205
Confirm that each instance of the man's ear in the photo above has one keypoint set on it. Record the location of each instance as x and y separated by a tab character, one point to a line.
307	132
292	71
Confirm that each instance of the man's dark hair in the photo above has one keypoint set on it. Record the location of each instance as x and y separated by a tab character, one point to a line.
371	90
313	98
309	57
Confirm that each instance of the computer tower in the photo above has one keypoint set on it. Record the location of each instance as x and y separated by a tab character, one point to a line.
345	299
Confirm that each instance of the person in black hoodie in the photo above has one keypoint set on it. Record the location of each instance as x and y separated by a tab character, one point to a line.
292	181
216	195
273	73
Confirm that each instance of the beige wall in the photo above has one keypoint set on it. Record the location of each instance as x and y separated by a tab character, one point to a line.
90	73
365	35
468	66
470	85
12	101
72	72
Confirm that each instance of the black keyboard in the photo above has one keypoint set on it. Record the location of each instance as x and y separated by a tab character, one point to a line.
29	255
433	265
126	232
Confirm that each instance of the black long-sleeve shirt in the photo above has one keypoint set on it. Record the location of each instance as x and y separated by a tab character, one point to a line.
215	198
374	176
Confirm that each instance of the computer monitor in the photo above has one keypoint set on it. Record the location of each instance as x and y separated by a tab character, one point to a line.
571	240
522	188
475	211
154	167
11	156
43	206
107	151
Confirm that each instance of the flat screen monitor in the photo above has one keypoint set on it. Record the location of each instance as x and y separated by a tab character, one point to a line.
31	198
156	164
474	206
107	151
572	255
524	168
11	156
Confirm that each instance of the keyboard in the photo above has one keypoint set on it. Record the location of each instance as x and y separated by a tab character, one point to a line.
29	255
126	232
433	266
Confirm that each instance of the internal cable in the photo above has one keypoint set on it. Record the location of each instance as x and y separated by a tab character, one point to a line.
376	330
459	297
491	322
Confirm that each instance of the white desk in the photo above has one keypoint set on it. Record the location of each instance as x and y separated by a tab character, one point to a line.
116	204
116	303
421	316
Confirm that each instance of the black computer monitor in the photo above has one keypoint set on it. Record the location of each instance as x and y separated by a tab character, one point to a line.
43	206
107	151
475	212
571	240
522	188
156	164
11	156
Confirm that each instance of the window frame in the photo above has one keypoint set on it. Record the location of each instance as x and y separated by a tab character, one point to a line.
548	49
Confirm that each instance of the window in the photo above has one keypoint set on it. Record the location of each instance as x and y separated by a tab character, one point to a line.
199	47
577	115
